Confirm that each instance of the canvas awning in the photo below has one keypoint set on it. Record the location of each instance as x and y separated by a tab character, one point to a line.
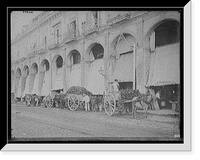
46	84
164	66
75	76
35	85
19	93
26	90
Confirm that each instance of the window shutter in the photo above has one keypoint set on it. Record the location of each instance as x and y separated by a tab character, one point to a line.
152	42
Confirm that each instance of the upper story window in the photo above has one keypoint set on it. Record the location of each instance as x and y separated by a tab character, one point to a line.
72	27
167	33
57	33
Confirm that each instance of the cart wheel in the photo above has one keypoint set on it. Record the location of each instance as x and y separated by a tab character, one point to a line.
73	102
49	101
66	103
109	104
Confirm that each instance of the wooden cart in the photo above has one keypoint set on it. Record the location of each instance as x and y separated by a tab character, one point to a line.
111	105
71	101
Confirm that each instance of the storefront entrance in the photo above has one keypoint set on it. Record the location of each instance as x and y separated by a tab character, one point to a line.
168	96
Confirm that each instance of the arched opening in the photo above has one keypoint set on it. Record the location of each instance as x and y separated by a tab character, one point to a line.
18	72
34	79
45	66
97	51
167	33
34	68
75	57
57	73
44	82
74	61
26	71
163	41
93	63
59	62
121	61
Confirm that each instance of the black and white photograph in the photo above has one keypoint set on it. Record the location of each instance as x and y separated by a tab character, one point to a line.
96	76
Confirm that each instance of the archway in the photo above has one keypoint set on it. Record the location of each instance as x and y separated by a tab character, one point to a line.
93	63
57	73
74	63
122	64
44	82
34	79
163	43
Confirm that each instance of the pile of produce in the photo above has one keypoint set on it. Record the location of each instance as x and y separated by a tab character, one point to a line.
78	90
129	94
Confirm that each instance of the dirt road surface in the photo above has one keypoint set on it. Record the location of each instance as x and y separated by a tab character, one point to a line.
63	124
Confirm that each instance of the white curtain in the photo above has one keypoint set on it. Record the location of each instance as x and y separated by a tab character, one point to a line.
19	93
75	75
35	85
26	90
58	79
95	83
45	84
165	67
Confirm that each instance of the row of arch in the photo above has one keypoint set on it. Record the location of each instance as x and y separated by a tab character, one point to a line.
96	50
75	58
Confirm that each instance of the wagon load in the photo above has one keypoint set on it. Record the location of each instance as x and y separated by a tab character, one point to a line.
78	91
129	94
74	96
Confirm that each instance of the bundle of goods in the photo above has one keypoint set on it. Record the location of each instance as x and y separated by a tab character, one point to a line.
129	94
78	90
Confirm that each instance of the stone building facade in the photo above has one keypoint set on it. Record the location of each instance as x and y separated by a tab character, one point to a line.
60	49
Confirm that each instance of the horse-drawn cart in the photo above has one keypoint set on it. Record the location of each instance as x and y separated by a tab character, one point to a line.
55	99
111	105
70	100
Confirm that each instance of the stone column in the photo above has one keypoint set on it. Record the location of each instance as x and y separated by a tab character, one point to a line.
51	67
64	70
106	58
83	65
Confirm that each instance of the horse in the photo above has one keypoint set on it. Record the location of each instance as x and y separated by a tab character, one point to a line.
142	102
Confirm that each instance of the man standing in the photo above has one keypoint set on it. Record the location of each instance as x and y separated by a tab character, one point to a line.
86	99
115	88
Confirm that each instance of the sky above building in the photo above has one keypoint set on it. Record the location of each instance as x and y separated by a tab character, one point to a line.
20	19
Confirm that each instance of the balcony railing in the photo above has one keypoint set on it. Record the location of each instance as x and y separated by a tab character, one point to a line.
70	36
53	43
117	17
42	48
88	28
31	52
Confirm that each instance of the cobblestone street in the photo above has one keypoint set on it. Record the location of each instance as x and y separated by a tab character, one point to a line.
40	122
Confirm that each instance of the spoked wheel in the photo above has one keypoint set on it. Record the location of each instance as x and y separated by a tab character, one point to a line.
109	104
49	101
66	103
73	102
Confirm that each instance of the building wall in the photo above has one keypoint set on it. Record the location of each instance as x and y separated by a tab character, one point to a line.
32	46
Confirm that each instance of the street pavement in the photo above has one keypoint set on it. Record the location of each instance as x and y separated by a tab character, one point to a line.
40	123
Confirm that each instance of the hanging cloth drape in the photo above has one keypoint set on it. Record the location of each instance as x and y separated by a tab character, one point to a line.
165	66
